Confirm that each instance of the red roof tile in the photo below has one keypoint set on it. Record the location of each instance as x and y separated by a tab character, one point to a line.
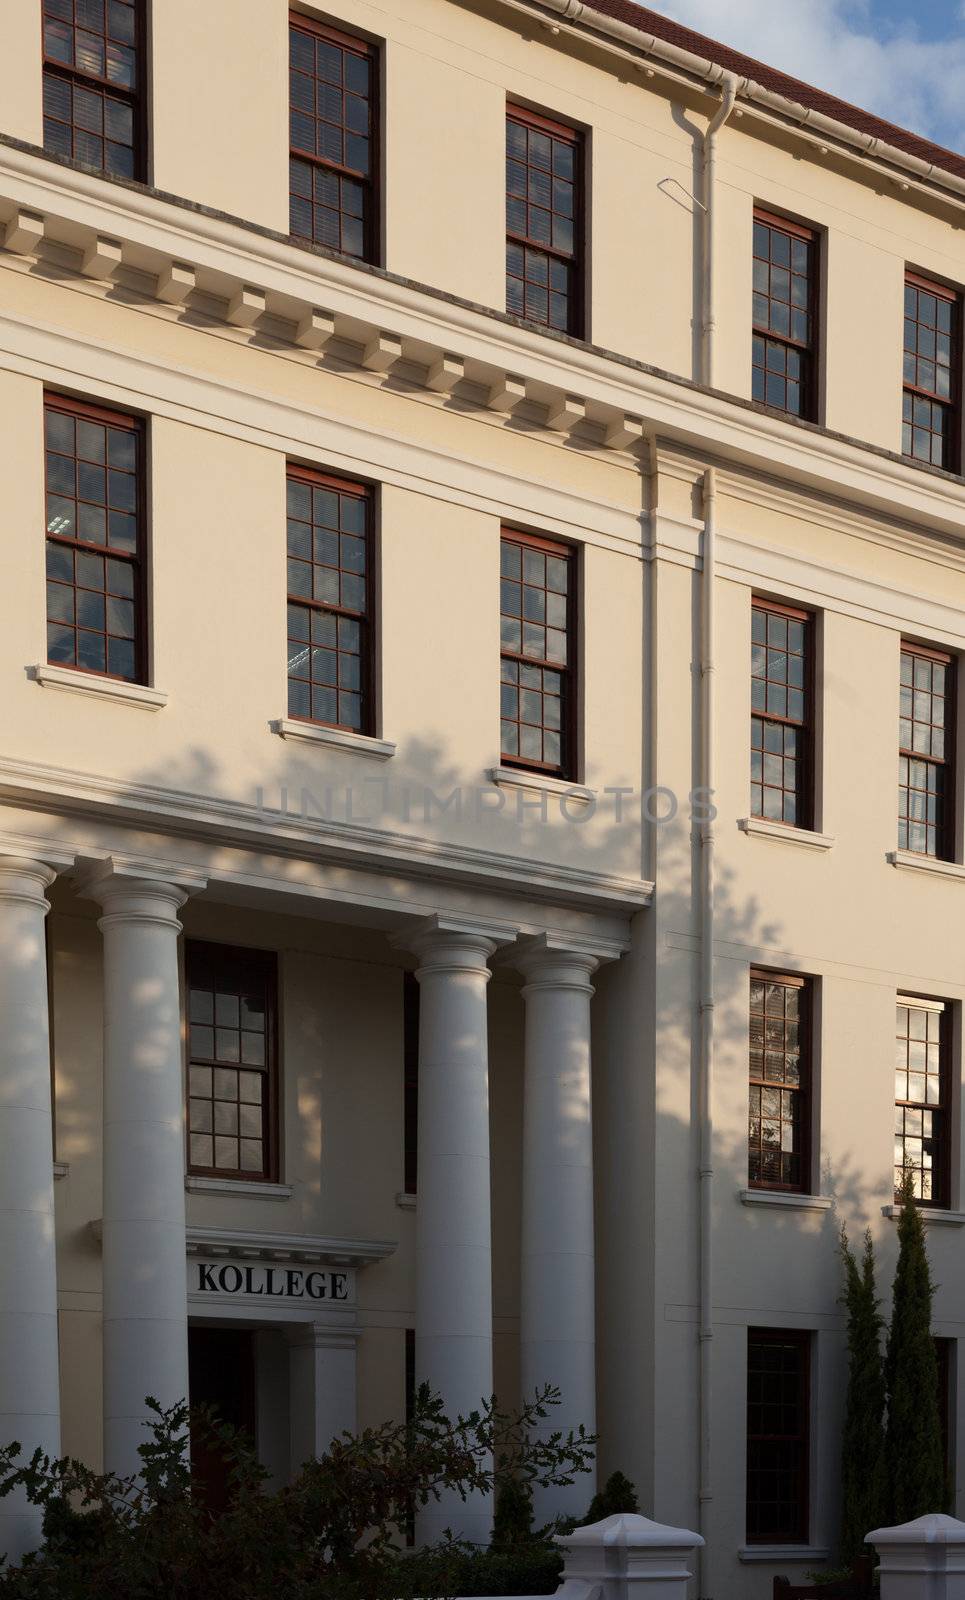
769	78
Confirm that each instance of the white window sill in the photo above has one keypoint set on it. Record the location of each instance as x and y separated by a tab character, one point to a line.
949	1219
763	829
782	1553
938	869
91	683
359	744
61	1169
239	1186
405	1202
518	778
787	1202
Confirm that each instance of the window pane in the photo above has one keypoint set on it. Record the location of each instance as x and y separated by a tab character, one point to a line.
931	374
76	451
534	694
540	279
777	1437
328	633
331	131
231	1006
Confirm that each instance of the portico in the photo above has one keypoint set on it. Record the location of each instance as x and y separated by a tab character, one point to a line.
171	1261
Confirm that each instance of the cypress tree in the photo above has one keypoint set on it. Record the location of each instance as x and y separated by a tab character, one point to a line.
862	1448
913	1443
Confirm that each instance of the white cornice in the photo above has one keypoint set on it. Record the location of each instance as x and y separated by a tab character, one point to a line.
383	851
79	208
250	1245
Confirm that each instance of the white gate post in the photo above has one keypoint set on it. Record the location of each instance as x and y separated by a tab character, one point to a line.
627	1557
922	1560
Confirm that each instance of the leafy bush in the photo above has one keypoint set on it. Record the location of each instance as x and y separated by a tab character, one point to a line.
523	1569
863	1440
617	1494
331	1534
913	1440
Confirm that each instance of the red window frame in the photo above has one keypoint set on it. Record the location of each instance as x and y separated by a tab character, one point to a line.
206	965
795	1098
514	661
917	767
778	355
342	612
325	171
796	738
765	1443
133	560
101	85
519	242
922	404
917	1110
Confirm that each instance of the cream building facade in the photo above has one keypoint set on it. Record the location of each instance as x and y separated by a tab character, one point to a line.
241	1144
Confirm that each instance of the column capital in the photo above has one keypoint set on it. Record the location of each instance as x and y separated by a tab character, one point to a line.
321	1336
135	891
25	880
562	960
443	941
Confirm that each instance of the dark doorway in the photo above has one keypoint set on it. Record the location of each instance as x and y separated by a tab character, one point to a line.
221	1374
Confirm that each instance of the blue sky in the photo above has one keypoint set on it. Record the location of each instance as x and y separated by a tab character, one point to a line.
905	61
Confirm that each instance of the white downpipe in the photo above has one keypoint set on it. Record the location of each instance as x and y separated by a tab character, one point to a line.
677	59
708	783
708	343
705	1069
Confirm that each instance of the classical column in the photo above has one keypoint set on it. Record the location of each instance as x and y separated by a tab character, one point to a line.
454	1295
557	1308
145	1285
29	1381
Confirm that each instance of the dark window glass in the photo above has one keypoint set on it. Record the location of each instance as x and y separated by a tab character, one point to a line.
785	333
930	374
921	1099
329	610
777	1436
93	51
231	1061
410	1026
334	138
94	568
779	1082
536	692
780	714
544	224
926	802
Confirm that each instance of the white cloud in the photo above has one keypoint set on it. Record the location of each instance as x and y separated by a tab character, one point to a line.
838	45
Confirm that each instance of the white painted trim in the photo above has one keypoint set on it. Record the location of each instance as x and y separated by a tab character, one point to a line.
358	744
781	1553
406	1202
516	778
61	1169
240	1187
762	828
126	694
951	1219
252	1243
928	864
381	850
786	1202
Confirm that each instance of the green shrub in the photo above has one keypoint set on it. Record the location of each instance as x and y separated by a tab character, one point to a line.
617	1494
331	1534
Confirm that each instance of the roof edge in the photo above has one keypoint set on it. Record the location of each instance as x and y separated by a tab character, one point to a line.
822	114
